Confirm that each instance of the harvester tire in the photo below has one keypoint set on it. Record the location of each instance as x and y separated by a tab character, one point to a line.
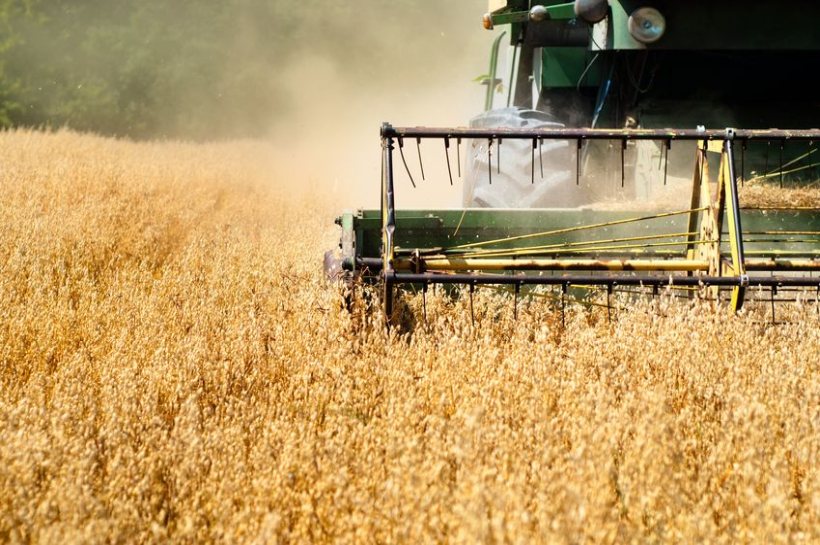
518	182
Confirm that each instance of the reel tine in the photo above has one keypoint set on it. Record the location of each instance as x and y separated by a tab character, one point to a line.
418	149
458	156
532	161
404	162
490	159
447	154
660	160
768	149
782	144
666	149
578	145
498	156
742	163
623	162
541	155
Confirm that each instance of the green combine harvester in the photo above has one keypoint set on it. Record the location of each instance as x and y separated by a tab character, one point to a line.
625	146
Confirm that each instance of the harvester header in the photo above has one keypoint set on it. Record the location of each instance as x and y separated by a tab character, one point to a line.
603	160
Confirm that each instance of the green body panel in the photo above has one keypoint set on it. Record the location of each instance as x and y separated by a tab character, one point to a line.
564	66
617	31
517	12
431	229
561	10
779	222
425	229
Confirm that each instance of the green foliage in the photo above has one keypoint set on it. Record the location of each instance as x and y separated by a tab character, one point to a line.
149	68
190	68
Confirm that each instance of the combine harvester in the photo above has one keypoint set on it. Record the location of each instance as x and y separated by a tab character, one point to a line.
577	182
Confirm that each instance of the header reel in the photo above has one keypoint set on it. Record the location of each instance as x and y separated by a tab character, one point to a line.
716	246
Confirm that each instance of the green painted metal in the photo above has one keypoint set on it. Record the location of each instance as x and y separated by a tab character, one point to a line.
695	75
558	10
516	14
619	37
791	231
432	230
492	80
510	17
564	67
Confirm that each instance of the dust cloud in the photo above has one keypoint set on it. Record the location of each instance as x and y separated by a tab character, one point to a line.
416	67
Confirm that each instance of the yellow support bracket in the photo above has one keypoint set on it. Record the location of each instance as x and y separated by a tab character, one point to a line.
732	207
714	146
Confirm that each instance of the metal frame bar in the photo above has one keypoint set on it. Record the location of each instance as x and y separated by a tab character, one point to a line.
603	134
590	280
702	265
388	220
727	173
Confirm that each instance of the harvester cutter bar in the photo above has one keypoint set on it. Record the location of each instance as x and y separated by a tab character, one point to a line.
612	281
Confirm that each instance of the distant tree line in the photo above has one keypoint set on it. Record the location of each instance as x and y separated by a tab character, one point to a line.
171	68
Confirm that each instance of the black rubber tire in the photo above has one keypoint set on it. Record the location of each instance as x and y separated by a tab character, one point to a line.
518	183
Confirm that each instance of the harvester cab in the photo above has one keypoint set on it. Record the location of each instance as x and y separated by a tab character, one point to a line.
625	145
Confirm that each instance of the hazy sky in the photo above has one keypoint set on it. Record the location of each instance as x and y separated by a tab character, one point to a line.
420	73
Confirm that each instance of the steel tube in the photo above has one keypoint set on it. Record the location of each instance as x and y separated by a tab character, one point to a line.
493	264
590	280
601	134
735	228
389	223
764	264
374	264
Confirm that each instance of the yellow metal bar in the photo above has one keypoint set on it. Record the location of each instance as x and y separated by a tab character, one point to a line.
781	208
773	264
585	249
696	200
386	258
735	238
715	146
452	263
783	252
782	240
797	159
782	233
778	173
530	249
460	221
710	220
573	229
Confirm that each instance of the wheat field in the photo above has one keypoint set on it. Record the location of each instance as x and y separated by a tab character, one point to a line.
174	369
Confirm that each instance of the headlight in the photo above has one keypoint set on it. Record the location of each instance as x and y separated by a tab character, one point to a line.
487	21
647	25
